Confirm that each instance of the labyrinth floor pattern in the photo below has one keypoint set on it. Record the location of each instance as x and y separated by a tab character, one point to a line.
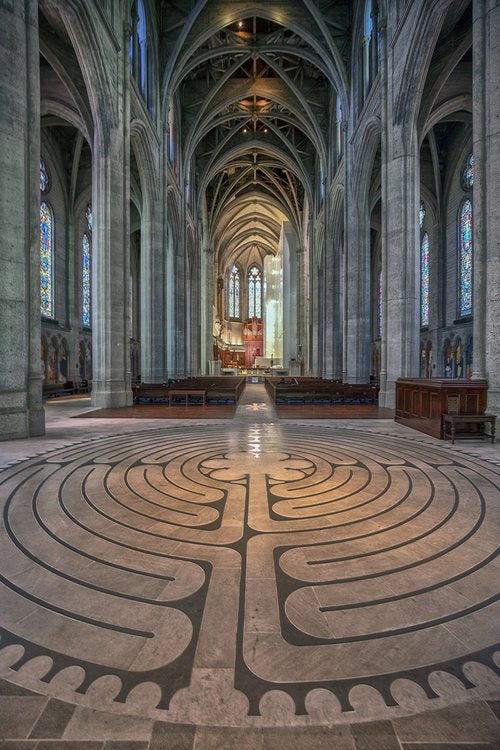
254	576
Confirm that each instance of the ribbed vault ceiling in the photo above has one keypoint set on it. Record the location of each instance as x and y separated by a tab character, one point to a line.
254	84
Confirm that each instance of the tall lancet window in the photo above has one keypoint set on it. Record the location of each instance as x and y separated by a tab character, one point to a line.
465	259
254	293
86	261
86	280
46	260
424	280
379	305
234	293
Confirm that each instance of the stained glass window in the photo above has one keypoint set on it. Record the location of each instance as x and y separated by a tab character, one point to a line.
424	281
254	293
234	293
46	260
380	305
141	33
421	215
89	217
86	280
468	173
130	307
466	259
44	177
339	128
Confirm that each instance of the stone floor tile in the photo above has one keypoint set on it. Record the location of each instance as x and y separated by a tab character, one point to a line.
69	745
10	688
375	735
172	736
53	721
19	714
446	746
468	722
495	707
308	738
123	745
18	744
227	738
86	723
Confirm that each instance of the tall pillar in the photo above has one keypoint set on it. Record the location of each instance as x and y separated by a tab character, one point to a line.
21	411
400	241
288	243
111	377
331	296
400	270
356	339
152	296
302	307
486	225
207	306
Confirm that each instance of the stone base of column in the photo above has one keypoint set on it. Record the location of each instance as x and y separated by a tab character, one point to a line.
387	395
16	420
493	406
111	399
36	422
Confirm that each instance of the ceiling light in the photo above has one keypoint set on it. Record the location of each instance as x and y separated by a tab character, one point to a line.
240	23
244	130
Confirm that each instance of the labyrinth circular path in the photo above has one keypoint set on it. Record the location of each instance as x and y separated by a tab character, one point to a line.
237	575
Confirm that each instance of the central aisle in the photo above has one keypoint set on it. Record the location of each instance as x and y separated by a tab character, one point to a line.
255	405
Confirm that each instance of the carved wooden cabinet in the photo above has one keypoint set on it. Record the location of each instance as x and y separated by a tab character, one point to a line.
420	402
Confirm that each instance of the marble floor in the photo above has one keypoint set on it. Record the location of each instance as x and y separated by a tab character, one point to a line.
185	584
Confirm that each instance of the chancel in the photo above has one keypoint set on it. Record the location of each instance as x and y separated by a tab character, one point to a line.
249	374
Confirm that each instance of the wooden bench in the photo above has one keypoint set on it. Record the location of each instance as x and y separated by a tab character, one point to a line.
54	390
186	393
478	420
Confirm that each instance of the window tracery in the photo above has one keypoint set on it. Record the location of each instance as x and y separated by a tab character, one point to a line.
468	173
234	293
254	293
44	177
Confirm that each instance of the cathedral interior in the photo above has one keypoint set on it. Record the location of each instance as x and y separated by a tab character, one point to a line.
234	232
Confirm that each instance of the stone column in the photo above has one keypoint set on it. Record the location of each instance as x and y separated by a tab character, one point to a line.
111	379
331	297
486	217
400	243
302	307
356	337
315	317
152	295
21	411
207	304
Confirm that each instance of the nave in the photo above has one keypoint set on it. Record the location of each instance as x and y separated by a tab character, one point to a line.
247	582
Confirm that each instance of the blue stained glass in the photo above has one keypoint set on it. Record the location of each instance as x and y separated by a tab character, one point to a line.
46	260
130	308
89	217
424	281
468	174
85	280
380	305
421	215
466	259
234	293
44	177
